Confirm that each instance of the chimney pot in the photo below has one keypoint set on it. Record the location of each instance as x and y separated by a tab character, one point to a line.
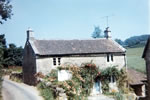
107	33
30	34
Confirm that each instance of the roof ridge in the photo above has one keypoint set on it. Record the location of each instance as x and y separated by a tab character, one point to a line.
68	39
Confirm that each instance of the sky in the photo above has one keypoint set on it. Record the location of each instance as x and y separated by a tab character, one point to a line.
76	19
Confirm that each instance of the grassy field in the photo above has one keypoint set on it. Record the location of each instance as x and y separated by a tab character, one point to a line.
134	58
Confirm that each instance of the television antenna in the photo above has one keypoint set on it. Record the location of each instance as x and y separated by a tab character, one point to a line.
107	19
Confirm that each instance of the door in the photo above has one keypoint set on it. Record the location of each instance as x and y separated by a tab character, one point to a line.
97	87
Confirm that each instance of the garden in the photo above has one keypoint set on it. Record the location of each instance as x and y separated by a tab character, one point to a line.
79	87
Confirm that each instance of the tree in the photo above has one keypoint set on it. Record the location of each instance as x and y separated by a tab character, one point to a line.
97	32
5	10
13	56
5	13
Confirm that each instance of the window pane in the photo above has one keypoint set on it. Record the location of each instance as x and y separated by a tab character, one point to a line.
54	61
59	61
112	59
107	57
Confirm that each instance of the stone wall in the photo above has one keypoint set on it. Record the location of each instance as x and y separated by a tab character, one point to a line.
29	65
45	65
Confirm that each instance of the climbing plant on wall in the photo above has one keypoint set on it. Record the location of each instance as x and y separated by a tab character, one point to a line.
83	77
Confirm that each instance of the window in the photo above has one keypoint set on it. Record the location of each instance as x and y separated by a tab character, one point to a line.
112	79
112	59
59	61
54	61
107	57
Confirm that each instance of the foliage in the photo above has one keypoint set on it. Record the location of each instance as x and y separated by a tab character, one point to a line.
97	33
82	81
83	77
13	56
122	81
105	77
2	46
89	72
18	77
119	96
45	91
5	10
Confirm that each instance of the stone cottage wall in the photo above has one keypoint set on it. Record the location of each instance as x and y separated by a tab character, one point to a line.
29	65
100	61
45	65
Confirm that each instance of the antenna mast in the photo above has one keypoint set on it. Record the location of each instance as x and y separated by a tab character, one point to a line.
107	17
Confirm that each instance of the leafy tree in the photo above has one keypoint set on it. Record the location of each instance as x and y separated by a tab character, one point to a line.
13	55
5	10
97	32
5	13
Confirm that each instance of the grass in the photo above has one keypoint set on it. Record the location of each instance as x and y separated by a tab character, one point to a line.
134	58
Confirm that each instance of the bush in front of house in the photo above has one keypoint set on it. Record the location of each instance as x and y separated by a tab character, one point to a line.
45	91
79	87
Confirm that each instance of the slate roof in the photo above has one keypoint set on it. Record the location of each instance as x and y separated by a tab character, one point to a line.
63	47
135	77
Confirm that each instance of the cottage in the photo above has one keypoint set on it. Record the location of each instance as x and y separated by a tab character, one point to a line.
146	56
45	55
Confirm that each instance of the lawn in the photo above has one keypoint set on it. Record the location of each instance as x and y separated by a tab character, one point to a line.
135	60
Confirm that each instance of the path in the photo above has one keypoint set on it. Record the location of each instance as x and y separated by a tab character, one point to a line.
19	91
99	97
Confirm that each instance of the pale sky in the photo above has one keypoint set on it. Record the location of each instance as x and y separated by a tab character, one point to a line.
75	19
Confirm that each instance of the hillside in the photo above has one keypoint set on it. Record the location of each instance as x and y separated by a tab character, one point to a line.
134	59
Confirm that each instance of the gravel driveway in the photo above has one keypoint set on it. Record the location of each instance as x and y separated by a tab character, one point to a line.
19	91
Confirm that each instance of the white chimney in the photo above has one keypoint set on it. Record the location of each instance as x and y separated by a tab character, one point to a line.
30	34
107	33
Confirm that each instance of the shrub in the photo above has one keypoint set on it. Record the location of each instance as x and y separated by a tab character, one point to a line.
18	77
79	87
45	91
119	96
